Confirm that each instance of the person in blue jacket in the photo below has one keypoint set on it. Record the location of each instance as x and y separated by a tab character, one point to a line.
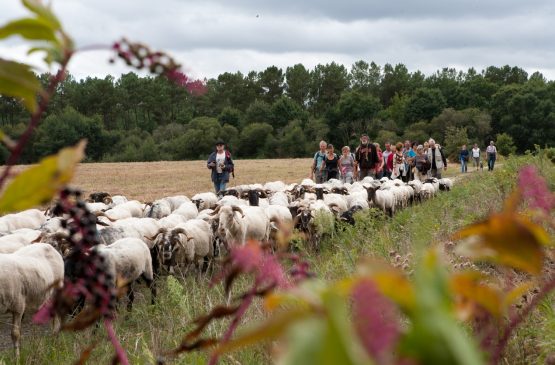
222	166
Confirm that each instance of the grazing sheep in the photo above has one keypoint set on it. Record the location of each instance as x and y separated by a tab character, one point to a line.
279	198
205	200
18	239
188	210
427	191
129	259
27	278
96	207
187	243
132	208
30	218
274	187
171	221
237	224
146	227
445	184
383	199
157	209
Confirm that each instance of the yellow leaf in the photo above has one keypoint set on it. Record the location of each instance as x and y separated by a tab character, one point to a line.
468	286
390	281
507	238
38	184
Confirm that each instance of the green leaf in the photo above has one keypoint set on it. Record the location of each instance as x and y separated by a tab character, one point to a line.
43	12
38	184
326	338
17	80
435	337
29	28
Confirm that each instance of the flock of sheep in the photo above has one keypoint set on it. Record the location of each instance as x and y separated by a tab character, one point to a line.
140	240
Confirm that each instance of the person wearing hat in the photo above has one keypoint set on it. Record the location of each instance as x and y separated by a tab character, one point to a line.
366	156
221	164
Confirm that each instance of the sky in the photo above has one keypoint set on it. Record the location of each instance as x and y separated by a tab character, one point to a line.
209	37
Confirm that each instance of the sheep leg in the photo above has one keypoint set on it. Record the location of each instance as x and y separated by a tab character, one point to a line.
205	264
16	332
130	297
151	284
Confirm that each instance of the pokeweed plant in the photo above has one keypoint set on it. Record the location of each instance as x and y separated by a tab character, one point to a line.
37	185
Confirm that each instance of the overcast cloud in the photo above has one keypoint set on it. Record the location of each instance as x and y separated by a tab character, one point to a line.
212	37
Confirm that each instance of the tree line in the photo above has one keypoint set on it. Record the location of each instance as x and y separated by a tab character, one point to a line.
284	113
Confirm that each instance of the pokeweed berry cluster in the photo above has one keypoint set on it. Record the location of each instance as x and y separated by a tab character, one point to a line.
86	277
140	56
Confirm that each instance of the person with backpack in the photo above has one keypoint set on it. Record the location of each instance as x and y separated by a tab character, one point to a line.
366	156
422	164
437	158
222	166
316	171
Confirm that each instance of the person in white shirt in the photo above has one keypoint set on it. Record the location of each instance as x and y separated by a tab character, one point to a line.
491	152
476	156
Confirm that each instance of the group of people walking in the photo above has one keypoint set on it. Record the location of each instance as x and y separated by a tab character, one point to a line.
405	161
475	153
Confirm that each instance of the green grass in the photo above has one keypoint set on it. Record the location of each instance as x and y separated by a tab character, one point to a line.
150	330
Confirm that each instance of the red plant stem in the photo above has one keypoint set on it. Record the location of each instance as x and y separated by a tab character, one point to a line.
519	318
120	352
35	119
238	316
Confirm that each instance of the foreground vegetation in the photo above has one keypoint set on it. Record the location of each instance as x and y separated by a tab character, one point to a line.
151	330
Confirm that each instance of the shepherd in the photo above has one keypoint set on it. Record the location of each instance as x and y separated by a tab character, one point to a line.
222	166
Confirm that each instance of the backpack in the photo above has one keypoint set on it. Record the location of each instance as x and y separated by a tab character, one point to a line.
232	167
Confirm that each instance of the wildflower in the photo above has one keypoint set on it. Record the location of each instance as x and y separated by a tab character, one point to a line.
376	322
534	189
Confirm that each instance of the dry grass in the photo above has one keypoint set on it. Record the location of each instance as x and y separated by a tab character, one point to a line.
147	181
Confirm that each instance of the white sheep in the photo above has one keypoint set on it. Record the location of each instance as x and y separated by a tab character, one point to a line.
237	224
171	221
27	278
157	209
205	200
18	239
145	227
382	199
132	208
129	259
279	198
192	240
188	210
30	218
274	187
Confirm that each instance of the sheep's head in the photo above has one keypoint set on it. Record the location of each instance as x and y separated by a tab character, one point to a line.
162	240
227	217
304	217
198	202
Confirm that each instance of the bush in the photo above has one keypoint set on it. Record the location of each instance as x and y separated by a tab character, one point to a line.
505	144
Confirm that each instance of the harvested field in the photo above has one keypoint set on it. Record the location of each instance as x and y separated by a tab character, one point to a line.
147	181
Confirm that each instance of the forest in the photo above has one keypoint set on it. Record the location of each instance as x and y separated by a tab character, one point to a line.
284	113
